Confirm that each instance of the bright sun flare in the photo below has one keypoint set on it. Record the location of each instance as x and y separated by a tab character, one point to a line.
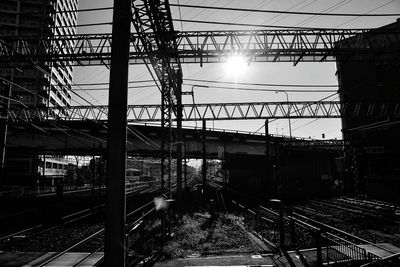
236	65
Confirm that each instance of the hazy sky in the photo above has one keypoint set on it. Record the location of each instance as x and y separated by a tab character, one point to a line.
273	73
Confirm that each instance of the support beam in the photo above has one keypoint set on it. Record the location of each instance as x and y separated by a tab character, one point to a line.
217	111
179	141
213	46
269	176
116	153
3	132
185	166
204	156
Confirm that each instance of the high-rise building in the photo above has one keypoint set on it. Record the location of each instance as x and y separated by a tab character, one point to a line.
41	84
38	19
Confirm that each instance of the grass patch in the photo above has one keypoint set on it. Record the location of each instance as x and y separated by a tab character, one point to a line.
203	234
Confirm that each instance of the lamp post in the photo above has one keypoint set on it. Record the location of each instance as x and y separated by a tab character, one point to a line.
287	100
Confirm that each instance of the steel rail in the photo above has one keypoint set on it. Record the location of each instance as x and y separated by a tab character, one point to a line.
326	226
317	224
358	210
87	239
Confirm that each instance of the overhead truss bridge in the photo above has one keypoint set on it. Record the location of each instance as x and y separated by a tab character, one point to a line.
209	46
217	111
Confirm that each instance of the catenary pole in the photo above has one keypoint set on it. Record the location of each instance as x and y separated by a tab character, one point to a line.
116	145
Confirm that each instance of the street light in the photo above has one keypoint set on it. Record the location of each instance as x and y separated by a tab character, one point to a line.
287	100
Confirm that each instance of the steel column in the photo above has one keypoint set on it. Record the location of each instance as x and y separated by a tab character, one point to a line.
3	133
179	141
185	166
204	156
116	150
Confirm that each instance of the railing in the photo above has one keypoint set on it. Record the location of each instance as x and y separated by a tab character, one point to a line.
340	250
392	260
373	257
290	233
24	191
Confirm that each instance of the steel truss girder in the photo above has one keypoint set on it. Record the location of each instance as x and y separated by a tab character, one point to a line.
154	28
217	111
211	46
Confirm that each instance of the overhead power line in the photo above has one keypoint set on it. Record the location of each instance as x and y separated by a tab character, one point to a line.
107	88
259	25
84	25
106	83
67	11
289	12
237	10
263	89
267	84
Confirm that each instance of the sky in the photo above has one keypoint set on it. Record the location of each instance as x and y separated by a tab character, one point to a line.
314	73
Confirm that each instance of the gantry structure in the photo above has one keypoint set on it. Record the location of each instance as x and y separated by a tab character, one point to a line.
155	42
215	111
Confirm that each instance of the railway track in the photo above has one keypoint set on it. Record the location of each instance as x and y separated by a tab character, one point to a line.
66	230
93	244
68	219
377	204
360	211
388	209
334	237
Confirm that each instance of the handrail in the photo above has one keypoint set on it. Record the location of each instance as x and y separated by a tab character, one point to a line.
382	261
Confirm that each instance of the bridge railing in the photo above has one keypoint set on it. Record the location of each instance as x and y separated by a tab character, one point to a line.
281	136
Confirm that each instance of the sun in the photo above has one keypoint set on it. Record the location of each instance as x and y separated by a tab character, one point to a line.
236	65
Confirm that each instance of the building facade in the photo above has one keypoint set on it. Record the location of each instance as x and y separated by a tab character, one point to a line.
41	84
372	160
50	85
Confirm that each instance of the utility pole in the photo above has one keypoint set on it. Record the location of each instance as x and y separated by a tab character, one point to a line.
116	146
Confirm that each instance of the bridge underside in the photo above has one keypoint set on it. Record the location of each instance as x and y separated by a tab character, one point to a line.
89	138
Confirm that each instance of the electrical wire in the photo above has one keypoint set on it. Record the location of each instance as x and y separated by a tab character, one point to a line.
260	25
66	11
287	12
21	87
346	22
107	83
333	7
233	9
107	88
310	122
82	25
36	66
322	99
289	9
263	90
266	84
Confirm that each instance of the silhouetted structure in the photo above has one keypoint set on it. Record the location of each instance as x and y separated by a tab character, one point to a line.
372	162
38	84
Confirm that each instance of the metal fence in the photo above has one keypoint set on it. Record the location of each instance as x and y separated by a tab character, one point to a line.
341	250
